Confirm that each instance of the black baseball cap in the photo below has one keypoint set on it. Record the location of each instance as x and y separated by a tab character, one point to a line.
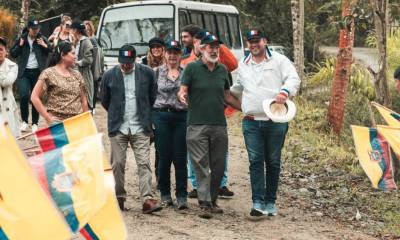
210	39
254	34
127	54
201	34
156	41
173	45
3	41
78	25
33	23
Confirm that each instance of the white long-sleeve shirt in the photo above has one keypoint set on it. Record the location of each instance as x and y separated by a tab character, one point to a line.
259	81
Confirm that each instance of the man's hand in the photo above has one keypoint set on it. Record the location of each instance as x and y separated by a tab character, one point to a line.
21	42
41	42
281	98
183	95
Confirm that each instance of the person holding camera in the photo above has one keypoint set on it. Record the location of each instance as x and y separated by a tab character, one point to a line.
30	51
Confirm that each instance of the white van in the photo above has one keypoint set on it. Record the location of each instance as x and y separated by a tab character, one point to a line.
137	22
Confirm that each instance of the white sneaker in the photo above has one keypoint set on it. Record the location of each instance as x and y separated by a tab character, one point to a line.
34	127
24	127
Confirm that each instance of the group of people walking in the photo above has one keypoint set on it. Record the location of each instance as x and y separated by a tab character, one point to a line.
175	96
178	100
63	70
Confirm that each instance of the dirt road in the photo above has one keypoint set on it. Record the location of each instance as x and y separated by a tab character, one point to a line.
291	223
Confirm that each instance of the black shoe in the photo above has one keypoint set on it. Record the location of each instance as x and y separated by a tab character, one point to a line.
193	194
205	211
225	192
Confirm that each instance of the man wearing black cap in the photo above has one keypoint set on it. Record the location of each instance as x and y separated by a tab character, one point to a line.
264	75
31	51
205	88
128	93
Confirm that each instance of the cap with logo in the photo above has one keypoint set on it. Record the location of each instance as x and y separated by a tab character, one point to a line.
127	54
210	39
33	23
156	42
201	34
254	34
173	45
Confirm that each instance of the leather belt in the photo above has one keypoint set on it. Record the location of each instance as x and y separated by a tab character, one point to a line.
249	117
168	110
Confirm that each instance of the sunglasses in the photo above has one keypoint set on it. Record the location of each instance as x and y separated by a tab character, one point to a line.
68	25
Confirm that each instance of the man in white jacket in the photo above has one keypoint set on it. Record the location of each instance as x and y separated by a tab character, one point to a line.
264	75
8	75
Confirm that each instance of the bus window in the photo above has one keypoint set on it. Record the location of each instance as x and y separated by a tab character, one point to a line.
197	19
183	19
223	31
234	30
209	22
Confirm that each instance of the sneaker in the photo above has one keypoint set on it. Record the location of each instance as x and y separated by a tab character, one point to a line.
225	192
24	127
257	210
216	209
34	128
182	203
193	194
166	201
270	209
205	211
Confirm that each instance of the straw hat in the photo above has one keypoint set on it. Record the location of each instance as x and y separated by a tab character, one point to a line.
280	113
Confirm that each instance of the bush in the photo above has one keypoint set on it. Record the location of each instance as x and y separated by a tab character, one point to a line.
7	24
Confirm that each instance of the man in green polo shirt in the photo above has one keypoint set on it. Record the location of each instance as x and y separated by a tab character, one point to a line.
205	89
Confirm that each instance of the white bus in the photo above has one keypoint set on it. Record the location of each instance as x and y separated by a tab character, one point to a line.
137	22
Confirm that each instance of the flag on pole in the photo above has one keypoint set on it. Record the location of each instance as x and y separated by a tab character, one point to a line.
68	131
73	177
392	135
375	157
26	212
392	118
108	222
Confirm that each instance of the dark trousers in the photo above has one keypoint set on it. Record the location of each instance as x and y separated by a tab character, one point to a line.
170	142
264	141
25	86
96	84
207	146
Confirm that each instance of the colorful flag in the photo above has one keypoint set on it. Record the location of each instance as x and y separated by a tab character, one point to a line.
374	154
392	118
73	177
26	212
108	222
68	131
392	135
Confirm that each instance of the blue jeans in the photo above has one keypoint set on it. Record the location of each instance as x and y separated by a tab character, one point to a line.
192	175
264	141
170	142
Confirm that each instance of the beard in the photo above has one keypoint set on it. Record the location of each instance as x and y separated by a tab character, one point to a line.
209	58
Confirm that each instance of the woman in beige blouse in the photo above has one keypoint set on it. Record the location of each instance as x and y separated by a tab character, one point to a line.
64	87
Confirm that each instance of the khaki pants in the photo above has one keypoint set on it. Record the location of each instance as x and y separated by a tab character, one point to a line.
207	146
140	144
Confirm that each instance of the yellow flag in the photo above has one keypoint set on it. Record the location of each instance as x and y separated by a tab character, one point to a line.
374	154
392	118
74	178
25	210
108	223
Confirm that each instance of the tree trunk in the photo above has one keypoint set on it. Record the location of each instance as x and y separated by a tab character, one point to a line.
24	13
297	7
342	70
380	8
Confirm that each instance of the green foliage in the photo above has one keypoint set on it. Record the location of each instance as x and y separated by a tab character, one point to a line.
360	79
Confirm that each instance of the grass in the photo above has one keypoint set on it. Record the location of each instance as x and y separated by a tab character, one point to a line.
311	148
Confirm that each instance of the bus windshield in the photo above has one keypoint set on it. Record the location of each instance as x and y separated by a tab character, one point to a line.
135	25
